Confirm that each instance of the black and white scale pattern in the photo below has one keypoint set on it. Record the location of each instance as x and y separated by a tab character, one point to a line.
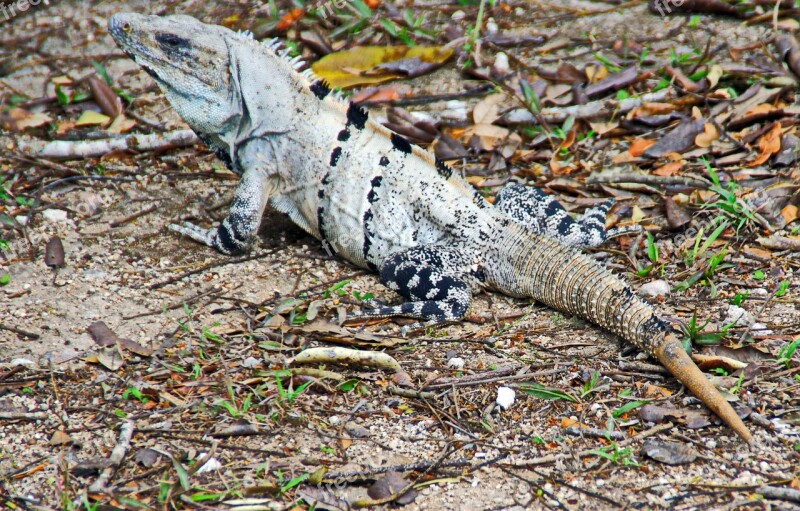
368	194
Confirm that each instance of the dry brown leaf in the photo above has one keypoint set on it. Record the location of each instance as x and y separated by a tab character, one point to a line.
623	157
771	141
105	97
62	80
487	110
768	144
669	169
17	119
637	215
639	146
121	124
789	213
708	135
488	134
652	109
566	422
759	109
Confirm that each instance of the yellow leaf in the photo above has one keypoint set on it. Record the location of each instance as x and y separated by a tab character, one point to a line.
637	215
89	118
61	80
713	76
360	65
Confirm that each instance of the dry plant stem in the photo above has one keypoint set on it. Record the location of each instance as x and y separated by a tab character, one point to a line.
222	262
134	216
178	305
594	433
367	503
202	461
117	454
555	115
552	458
18	331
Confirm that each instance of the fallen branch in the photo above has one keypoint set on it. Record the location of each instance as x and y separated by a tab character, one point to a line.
589	110
771	492
348	357
28	416
93	148
552	458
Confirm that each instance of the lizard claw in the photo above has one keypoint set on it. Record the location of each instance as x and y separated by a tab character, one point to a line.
204	236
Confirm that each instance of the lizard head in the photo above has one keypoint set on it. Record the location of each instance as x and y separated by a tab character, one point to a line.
193	65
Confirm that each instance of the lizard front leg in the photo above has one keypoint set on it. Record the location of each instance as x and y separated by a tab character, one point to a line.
437	281
237	230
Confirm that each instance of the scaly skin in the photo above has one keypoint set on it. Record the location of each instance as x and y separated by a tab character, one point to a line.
377	200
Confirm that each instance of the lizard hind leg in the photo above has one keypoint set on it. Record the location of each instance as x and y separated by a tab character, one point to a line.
434	280
542	214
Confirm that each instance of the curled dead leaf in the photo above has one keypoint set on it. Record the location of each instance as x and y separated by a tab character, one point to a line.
708	135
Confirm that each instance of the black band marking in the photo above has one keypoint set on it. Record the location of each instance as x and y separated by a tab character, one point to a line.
344	135
401	144
384	161
335	154
443	169
357	116
320	89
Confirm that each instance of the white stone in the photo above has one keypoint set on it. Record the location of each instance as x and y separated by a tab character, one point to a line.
501	65
22	219
456	363
491	26
505	397
738	316
654	289
251	362
211	465
458	15
54	215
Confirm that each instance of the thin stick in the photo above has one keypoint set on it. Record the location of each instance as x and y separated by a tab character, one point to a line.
117	455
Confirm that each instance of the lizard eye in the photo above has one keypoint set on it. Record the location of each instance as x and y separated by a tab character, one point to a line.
171	41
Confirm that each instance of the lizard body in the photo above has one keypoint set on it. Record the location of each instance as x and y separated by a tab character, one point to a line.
377	200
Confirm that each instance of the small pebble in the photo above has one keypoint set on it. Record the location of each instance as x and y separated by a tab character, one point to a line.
505	397
738	316
654	289
501	66
491	26
456	363
54	215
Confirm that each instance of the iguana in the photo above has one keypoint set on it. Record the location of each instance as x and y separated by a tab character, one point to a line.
377	200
